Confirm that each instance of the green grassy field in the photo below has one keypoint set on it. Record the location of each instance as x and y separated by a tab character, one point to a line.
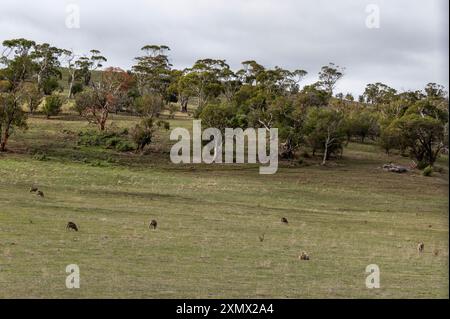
346	215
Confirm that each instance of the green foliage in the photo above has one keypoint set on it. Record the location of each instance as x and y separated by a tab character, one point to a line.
124	146
423	136
52	105
361	124
219	116
324	131
149	105
49	85
152	70
328	77
32	96
76	88
377	93
435	91
83	101
40	156
163	124
11	116
172	108
389	139
312	95
5	85
110	140
428	171
142	133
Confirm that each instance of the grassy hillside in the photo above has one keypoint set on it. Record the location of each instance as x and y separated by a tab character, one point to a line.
346	216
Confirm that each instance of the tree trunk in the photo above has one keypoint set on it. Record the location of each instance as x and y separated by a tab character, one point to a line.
4	141
327	143
325	153
70	90
103	119
72	79
184	104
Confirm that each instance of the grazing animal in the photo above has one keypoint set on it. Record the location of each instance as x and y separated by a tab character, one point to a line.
303	256
33	189
284	220
153	224
72	225
420	247
40	193
261	237
436	252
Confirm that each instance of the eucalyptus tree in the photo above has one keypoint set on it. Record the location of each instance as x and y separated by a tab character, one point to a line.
153	70
80	68
379	93
18	69
103	96
203	80
435	91
48	64
329	75
88	64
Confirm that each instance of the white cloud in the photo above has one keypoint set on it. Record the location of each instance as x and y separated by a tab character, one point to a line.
409	50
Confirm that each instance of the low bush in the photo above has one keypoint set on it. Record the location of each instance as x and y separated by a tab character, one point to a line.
111	140
427	171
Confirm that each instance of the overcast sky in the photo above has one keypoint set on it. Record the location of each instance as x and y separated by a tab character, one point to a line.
408	50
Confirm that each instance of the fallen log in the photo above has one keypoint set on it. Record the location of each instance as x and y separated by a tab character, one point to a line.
395	168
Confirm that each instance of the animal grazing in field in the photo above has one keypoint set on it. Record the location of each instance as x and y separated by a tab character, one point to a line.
303	256
436	252
261	237
284	220
40	193
72	226
420	247
33	189
153	224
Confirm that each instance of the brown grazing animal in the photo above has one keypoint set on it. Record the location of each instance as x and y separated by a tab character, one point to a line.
420	247
261	237
40	193
153	224
71	225
284	220
303	256
33	189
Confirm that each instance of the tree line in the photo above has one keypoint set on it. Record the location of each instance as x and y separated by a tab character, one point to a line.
312	117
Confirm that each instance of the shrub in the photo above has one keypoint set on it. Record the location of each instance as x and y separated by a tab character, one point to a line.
52	105
112	140
422	164
164	124
125	146
149	105
143	133
76	88
49	85
172	109
427	171
40	156
83	101
388	140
